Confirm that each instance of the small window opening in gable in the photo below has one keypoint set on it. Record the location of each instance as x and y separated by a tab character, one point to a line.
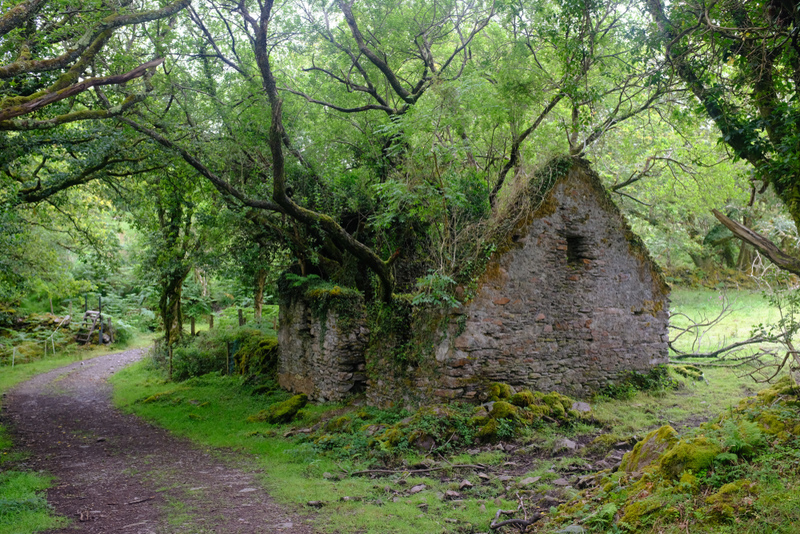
577	249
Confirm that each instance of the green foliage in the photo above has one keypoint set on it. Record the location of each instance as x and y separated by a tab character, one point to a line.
655	380
253	354
434	289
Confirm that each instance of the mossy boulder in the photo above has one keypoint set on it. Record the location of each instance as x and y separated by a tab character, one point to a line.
691	454
784	387
770	423
636	512
488	432
648	450
560	405
724	504
499	391
504	410
281	412
523	399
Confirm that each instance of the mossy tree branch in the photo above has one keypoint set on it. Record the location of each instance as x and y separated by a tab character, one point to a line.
277	135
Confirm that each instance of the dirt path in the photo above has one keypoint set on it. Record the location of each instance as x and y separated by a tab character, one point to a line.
115	473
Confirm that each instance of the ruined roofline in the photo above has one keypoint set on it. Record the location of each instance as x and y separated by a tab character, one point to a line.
536	200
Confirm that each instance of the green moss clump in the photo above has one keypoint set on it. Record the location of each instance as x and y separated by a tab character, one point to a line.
689	371
281	412
649	449
637	511
692	454
339	424
164	396
504	410
724	503
783	387
389	438
499	391
488	432
560	405
523	399
770	423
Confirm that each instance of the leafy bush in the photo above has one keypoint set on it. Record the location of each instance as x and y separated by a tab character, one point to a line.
656	380
253	354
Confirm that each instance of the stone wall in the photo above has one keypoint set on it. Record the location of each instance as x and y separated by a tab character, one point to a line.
321	349
573	305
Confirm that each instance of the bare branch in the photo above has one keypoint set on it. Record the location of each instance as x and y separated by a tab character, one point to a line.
761	243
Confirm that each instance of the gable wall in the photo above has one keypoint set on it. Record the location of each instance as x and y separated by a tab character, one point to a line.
543	320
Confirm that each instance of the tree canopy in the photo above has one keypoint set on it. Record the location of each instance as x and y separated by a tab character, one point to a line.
380	144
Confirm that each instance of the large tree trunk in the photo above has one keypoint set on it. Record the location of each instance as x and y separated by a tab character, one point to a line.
170	307
258	297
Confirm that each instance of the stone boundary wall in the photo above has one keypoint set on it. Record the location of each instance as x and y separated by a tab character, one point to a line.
321	354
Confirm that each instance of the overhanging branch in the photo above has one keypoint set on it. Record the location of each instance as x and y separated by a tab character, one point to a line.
761	243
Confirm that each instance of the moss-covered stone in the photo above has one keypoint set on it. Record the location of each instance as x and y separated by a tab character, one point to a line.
537	411
499	391
770	423
281	412
560	405
649	449
504	410
339	424
688	483
689	371
523	399
479	420
724	503
636	512
691	454
488	432
783	387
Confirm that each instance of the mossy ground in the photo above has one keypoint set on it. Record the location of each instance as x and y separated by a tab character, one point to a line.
735	473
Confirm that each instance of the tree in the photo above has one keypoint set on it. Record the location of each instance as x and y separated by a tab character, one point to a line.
63	64
741	61
355	118
47	48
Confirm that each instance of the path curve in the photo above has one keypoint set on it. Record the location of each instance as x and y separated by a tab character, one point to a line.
116	473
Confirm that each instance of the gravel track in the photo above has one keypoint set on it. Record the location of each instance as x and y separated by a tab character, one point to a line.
117	473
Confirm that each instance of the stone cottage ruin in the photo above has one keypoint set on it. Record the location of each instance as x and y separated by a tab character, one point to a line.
569	302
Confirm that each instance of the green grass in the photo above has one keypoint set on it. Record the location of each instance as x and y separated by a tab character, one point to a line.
295	473
23	508
746	310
